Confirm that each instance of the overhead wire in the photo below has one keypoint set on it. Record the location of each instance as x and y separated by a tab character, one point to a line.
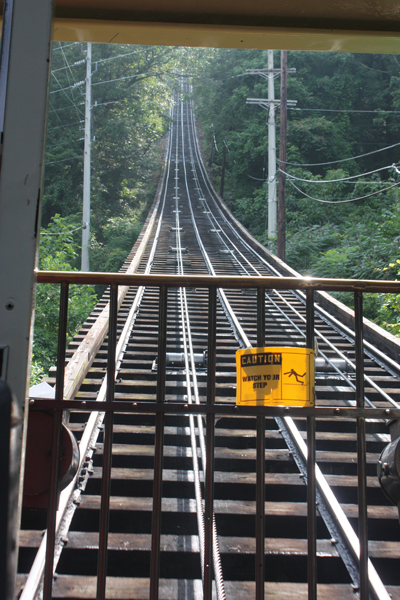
333	162
141	75
69	87
70	98
67	125
54	110
335	180
65	142
61	232
119	56
60	47
75	64
344	110
55	162
343	201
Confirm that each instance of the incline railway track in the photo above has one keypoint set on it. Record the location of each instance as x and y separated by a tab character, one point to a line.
218	529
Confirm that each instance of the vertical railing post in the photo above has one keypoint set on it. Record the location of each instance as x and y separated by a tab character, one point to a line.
159	447
55	459
10	436
210	444
260	465
5	429
107	447
311	501
361	447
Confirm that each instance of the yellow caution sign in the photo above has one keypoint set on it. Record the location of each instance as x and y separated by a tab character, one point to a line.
275	376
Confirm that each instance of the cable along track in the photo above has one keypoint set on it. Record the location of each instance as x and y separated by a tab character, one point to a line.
192	235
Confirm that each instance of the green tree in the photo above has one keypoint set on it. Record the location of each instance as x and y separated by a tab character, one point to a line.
58	252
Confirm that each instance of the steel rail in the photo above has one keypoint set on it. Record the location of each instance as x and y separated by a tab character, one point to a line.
218	575
237	328
368	575
196	472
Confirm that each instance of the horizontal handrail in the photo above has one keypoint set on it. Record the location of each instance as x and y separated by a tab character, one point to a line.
221	281
147	407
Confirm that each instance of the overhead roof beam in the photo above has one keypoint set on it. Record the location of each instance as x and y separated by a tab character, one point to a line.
336	26
226	36
344	26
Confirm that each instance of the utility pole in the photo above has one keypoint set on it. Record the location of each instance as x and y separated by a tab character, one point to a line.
221	190
272	207
282	160
211	159
269	104
85	265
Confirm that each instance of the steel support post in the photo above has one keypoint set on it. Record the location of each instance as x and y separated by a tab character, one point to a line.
10	424
55	459
361	448
25	81
311	489
5	428
260	465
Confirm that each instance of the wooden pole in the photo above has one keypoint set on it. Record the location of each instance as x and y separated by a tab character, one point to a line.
221	191
282	160
211	159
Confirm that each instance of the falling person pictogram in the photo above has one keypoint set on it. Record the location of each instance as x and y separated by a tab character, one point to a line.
293	372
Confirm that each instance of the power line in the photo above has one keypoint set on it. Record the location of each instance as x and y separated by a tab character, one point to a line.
54	162
63	143
119	56
375	112
54	110
61	232
68	125
333	162
75	64
257	178
142	75
348	199
65	46
70	98
69	87
336	180
371	68
348	182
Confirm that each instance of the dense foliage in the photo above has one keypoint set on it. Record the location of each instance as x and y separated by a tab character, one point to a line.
58	252
131	97
348	105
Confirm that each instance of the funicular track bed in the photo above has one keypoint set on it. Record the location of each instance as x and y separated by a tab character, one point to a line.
187	212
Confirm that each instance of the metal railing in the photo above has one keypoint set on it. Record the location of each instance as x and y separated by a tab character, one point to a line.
210	409
10	433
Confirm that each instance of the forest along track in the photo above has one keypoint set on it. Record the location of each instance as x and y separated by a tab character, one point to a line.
189	211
